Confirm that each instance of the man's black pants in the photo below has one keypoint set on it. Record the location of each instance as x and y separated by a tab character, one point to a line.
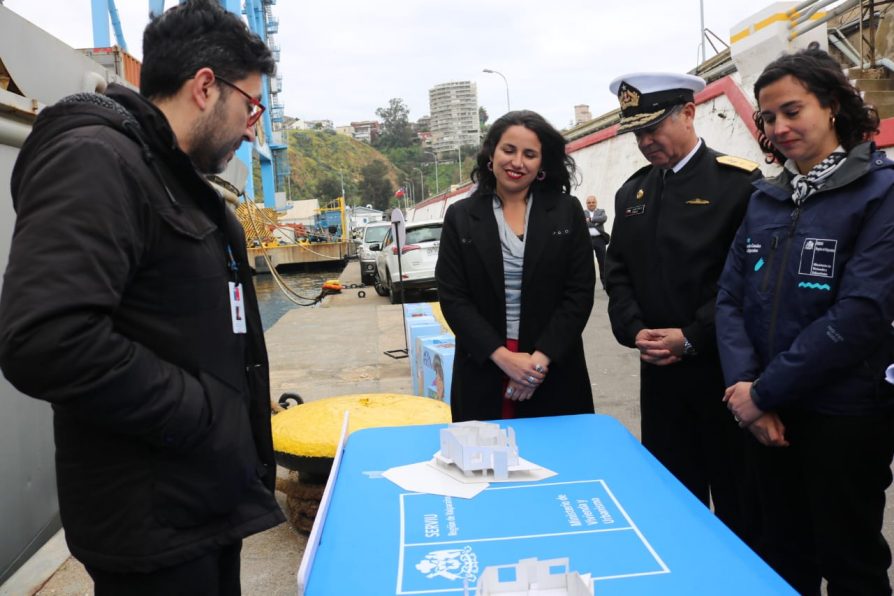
687	427
213	574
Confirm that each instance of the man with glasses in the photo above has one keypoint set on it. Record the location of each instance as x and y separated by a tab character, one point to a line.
674	221
128	305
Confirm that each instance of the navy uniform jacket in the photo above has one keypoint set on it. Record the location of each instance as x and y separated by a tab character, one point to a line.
669	243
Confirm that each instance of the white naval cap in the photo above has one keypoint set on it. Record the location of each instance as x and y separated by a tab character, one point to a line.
647	98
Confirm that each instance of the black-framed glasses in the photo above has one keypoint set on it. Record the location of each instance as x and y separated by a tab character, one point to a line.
257	108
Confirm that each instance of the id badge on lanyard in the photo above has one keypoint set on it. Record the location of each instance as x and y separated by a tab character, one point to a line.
237	298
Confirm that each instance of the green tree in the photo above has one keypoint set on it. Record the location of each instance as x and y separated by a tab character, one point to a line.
377	188
396	130
328	189
482	120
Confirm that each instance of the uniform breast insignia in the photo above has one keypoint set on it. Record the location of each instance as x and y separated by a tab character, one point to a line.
737	162
698	202
635	210
639	195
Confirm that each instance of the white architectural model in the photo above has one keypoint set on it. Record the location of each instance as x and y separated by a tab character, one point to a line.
531	577
477	447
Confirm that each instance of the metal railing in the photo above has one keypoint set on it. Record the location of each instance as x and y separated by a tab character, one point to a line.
807	16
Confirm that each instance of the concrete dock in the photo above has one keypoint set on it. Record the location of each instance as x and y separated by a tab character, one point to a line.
338	349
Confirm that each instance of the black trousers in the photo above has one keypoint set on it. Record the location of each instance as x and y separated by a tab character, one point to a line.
599	249
823	501
687	427
213	574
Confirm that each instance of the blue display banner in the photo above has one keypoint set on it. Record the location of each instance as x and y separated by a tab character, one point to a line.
447	541
612	511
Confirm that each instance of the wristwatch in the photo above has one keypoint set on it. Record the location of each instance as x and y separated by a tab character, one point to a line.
688	350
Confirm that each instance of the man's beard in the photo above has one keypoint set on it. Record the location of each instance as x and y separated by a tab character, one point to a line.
209	147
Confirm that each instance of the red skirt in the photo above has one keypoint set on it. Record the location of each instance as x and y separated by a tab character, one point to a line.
508	404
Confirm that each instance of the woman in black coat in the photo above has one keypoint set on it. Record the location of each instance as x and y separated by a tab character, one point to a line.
516	279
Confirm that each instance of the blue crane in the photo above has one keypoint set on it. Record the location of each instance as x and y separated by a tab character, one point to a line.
270	149
103	10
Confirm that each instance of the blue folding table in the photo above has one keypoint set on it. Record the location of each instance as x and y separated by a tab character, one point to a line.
612	510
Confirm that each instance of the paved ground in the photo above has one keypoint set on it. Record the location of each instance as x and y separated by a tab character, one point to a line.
338	349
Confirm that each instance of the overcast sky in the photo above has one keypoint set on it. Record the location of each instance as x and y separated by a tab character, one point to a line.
341	59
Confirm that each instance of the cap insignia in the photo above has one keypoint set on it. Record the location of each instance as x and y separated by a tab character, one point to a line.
628	96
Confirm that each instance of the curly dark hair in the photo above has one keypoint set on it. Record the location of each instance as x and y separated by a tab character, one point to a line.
855	121
195	35
557	165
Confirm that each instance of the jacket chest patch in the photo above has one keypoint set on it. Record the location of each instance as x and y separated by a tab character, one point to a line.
818	258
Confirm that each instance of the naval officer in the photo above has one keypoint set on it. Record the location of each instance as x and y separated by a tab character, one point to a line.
674	221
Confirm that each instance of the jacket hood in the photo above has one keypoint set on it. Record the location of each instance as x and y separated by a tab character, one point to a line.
120	108
861	160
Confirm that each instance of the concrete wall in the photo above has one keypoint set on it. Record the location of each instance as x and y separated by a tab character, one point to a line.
29	509
436	207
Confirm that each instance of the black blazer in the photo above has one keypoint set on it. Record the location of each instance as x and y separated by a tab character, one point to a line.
558	282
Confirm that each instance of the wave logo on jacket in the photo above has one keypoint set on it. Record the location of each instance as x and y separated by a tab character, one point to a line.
818	258
813	286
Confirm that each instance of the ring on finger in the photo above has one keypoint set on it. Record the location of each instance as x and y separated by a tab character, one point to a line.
531	380
510	391
538	368
736	418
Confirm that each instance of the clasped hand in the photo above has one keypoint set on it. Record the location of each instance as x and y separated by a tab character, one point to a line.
525	371
766	427
660	346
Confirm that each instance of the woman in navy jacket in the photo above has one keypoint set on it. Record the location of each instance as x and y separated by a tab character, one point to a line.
804	328
516	279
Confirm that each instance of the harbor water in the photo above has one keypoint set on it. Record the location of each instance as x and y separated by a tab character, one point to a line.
307	284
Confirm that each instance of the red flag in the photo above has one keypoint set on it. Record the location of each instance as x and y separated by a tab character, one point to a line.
399	193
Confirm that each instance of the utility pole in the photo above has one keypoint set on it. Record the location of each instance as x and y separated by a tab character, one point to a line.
459	160
437	179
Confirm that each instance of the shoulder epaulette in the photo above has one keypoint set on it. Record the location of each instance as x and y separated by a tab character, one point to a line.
737	162
639	172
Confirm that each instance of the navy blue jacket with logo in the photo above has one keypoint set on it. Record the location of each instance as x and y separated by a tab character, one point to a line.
806	297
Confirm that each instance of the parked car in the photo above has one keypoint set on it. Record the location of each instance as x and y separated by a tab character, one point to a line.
417	264
369	234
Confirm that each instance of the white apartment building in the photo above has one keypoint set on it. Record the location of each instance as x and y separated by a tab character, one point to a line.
454	115
582	114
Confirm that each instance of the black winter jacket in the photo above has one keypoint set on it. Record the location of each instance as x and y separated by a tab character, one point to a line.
115	310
